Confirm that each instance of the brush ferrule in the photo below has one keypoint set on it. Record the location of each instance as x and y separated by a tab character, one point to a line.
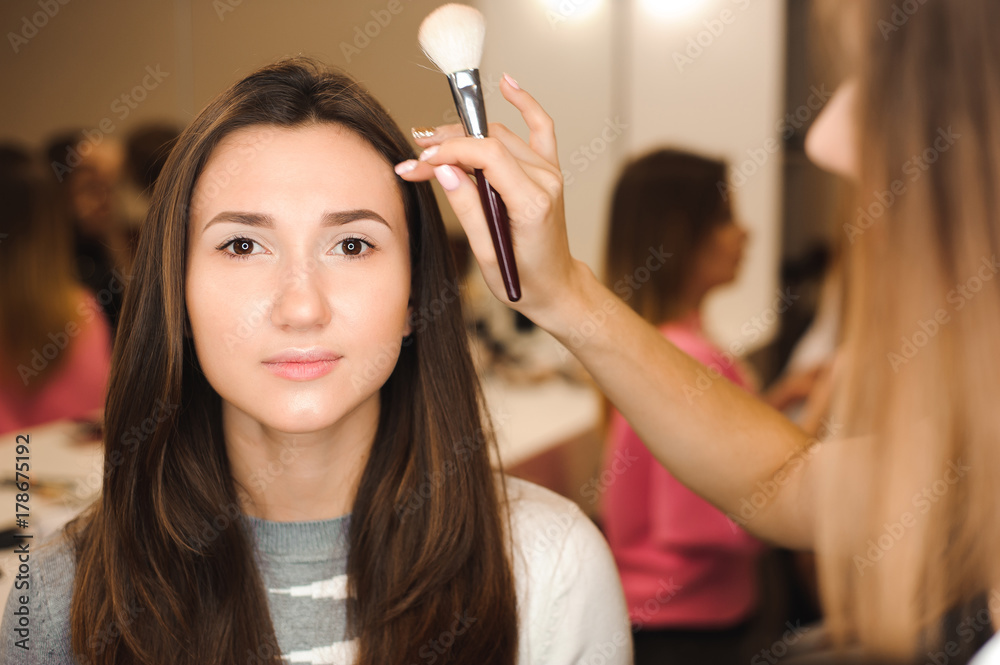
468	94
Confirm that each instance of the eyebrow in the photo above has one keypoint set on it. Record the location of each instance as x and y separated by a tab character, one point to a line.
263	220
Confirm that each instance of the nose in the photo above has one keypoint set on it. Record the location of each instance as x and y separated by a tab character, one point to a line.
300	302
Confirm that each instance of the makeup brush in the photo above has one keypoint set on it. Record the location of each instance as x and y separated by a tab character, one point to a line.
452	37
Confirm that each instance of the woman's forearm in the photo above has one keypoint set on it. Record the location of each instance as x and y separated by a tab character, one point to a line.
716	438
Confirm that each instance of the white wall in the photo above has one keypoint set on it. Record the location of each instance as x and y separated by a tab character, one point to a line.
725	101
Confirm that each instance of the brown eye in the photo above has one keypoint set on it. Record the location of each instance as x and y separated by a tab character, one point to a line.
242	246
353	247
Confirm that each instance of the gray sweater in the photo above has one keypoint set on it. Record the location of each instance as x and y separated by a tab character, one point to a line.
571	608
303	564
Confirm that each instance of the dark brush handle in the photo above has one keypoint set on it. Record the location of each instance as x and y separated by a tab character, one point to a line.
496	219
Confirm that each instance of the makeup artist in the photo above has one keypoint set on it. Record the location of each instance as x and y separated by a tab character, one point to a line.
899	577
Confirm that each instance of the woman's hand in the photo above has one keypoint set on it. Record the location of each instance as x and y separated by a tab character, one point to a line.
528	178
721	442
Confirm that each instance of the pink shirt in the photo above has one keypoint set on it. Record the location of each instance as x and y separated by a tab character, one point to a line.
77	388
683	564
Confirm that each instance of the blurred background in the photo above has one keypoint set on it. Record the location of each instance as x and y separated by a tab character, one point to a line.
619	77
98	89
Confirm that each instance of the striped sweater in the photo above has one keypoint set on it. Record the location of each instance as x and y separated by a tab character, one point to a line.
570	602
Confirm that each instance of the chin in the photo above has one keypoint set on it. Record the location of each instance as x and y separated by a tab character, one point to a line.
287	423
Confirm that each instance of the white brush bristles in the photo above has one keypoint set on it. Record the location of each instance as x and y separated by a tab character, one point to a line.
452	37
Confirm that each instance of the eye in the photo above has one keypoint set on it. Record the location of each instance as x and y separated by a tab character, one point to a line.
242	247
353	247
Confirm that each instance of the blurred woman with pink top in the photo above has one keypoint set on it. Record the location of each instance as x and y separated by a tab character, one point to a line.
689	573
55	344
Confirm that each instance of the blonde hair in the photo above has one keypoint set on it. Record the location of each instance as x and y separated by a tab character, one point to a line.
908	522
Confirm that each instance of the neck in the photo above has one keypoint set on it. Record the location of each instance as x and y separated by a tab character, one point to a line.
689	305
297	477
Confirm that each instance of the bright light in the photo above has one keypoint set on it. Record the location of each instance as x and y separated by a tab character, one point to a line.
569	10
672	9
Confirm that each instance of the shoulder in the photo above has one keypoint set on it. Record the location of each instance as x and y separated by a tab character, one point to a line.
570	597
704	351
35	627
551	532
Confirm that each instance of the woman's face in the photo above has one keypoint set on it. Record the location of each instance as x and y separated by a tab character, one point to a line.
92	188
830	142
298	274
718	257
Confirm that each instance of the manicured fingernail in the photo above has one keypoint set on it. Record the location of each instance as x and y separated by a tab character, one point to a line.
510	81
447	177
422	132
405	167
427	154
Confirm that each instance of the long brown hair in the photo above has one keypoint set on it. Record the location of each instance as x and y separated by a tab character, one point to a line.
41	297
667	198
909	533
150	586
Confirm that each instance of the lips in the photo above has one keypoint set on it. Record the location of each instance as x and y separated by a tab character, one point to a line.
301	356
302	364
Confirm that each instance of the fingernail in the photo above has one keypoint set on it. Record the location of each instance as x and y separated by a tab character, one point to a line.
405	167
510	81
422	132
427	154
447	177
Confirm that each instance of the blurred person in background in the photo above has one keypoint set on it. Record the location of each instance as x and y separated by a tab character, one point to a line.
690	575
54	340
146	150
90	177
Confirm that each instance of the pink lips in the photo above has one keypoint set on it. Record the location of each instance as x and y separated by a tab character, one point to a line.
302	364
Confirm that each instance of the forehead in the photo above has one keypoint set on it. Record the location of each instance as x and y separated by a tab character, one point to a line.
305	170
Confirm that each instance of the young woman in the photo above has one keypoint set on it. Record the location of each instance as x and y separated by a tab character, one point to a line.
55	344
903	508
297	462
658	529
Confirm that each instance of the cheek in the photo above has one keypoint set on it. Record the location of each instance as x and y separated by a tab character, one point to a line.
228	311
376	304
